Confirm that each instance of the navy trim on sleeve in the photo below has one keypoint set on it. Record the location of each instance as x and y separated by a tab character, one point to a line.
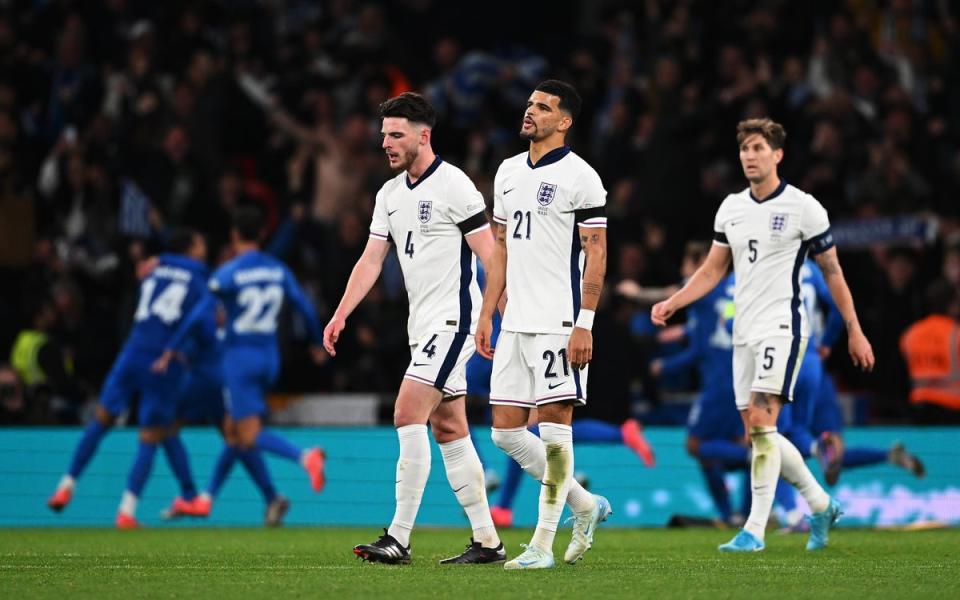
719	236
821	243
473	223
585	214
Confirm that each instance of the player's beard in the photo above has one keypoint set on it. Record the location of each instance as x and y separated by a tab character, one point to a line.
405	159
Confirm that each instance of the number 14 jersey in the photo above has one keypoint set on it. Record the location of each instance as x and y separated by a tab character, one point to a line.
541	207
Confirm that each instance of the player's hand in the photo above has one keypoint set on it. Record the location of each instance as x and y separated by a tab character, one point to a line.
160	365
824	352
629	288
318	354
860	350
671	334
483	337
331	333
580	347
656	367
661	313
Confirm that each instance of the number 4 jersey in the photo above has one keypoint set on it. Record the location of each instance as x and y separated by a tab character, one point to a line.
541	207
428	221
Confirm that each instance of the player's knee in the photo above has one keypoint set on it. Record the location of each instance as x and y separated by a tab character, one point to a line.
507	440
693	447
403	416
104	417
448	430
152	435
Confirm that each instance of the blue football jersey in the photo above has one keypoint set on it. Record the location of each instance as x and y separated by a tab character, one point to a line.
822	313
710	342
167	297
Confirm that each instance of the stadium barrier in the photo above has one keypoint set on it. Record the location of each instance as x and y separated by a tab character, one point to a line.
361	473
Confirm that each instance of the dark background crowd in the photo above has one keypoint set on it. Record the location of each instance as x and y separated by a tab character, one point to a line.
120	119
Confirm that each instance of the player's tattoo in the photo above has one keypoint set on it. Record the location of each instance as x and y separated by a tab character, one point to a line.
592	289
583	239
501	233
764	401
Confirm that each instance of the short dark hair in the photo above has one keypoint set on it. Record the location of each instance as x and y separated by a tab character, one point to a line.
180	240
248	222
410	106
939	297
771	131
569	98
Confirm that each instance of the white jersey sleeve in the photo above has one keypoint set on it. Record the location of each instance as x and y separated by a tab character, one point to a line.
720	224
379	224
815	226
499	214
589	200
466	205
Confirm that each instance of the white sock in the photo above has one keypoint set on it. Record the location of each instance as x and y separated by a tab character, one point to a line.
795	470
529	452
765	471
206	497
465	474
557	441
413	469
66	483
128	503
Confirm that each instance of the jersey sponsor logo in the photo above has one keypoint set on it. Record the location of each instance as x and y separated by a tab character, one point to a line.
425	210
546	193
778	221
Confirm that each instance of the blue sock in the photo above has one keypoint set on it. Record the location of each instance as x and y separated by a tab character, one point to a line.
592	430
476	446
785	496
718	489
747	503
862	457
511	483
729	453
802	439
257	469
180	465
221	470
275	444
86	447
142	465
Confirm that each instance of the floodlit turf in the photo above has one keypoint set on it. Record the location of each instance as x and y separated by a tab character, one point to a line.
314	563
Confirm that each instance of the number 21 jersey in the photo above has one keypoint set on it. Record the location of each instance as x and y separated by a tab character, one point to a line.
541	207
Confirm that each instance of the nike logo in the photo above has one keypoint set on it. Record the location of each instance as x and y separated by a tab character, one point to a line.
390	212
735	223
554	386
460	488
526	563
420	364
761	377
505	192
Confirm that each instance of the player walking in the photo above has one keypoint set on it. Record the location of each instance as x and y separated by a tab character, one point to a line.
435	216
548	206
768	229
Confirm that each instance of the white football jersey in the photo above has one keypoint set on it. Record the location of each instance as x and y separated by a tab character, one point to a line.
541	207
769	241
428	221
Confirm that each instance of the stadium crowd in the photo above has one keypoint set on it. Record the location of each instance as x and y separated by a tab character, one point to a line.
122	118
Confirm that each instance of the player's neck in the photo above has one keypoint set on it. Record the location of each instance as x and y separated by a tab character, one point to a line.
762	189
245	247
539	149
421	164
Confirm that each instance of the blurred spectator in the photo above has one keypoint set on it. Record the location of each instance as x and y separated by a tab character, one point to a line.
931	348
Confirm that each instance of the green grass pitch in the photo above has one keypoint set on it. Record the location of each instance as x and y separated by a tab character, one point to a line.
318	563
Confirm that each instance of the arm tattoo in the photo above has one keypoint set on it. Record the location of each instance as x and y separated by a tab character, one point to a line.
591	289
502	233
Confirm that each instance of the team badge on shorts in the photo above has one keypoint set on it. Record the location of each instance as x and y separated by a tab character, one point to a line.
778	222
425	210
546	193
